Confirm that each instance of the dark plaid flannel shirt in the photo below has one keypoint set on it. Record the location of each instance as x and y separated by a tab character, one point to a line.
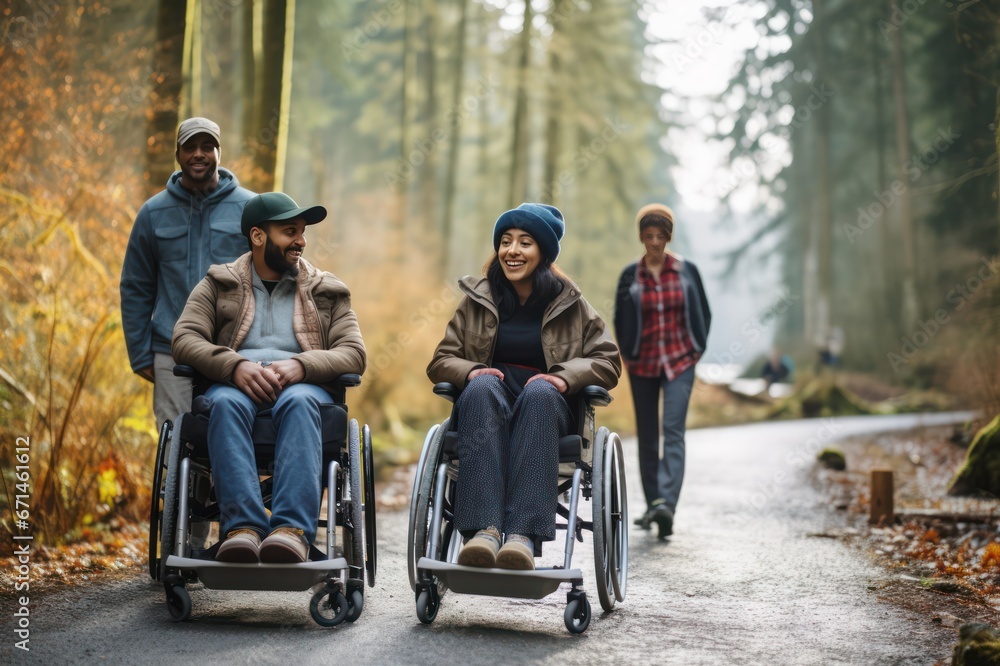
666	347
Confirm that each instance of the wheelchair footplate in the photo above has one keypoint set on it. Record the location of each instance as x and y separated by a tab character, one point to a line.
265	577
532	584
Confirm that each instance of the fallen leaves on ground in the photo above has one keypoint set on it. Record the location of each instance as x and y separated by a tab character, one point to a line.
942	554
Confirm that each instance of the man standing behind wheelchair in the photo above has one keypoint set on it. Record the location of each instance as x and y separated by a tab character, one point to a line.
522	339
271	330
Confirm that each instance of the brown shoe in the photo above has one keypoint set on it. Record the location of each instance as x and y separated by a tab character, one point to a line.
481	550
285	545
242	546
516	555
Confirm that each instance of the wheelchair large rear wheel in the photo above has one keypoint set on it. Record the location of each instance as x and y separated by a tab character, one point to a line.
354	525
171	495
610	513
420	501
369	504
156	500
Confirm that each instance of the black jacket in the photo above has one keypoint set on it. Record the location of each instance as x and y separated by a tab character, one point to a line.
628	309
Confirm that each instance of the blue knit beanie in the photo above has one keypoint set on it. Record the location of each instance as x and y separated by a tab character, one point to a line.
544	223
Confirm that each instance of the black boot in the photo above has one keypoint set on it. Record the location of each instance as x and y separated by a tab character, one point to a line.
664	519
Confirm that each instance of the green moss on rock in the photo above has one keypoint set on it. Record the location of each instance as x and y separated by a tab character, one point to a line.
980	473
978	645
832	458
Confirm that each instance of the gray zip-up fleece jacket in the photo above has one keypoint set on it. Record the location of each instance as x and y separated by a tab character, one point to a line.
177	235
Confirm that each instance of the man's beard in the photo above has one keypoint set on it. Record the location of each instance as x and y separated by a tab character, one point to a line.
275	258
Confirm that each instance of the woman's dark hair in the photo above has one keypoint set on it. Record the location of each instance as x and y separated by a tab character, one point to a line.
658	221
546	283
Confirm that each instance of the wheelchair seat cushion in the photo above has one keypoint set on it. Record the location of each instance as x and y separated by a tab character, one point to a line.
195	430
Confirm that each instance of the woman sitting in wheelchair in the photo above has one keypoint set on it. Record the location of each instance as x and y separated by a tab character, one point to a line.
522	339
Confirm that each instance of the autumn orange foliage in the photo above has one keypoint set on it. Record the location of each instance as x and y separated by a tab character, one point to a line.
72	118
991	557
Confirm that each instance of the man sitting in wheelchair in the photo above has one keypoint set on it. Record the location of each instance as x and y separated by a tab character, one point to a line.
271	330
521	340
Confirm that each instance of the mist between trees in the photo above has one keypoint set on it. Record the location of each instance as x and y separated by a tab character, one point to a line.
890	197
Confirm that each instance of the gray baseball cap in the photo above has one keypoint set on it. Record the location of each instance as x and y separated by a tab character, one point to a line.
197	125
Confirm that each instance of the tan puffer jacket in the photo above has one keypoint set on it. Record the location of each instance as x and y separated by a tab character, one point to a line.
220	310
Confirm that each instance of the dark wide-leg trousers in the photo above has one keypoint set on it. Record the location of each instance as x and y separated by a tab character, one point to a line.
662	476
508	453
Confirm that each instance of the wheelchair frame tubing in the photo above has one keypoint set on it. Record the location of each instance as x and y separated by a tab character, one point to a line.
440	478
574	504
331	515
180	539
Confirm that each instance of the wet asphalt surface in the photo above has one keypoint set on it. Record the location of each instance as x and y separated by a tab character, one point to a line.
740	582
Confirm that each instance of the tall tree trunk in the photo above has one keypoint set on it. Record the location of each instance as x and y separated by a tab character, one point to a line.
249	57
906	226
281	140
553	128
221	68
519	142
397	212
168	62
824	245
886	256
269	90
451	175
191	92
428	172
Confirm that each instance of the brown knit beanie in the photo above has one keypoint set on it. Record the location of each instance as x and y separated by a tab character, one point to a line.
656	210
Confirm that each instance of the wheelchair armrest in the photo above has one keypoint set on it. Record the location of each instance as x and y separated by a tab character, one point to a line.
184	371
595	395
447	390
349	380
343	381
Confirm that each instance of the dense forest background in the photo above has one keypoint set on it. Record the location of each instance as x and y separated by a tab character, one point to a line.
866	133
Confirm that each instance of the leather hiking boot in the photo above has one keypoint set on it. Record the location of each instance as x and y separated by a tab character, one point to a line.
285	545
481	550
516	555
242	546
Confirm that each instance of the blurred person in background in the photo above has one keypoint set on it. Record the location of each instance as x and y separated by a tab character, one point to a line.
661	321
777	368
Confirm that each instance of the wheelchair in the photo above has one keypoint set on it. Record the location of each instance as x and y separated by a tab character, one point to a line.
183	498
590	465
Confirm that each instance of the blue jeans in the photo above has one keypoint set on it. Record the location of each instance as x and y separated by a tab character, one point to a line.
662	476
297	482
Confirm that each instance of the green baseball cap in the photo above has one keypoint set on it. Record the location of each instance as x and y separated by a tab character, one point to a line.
277	207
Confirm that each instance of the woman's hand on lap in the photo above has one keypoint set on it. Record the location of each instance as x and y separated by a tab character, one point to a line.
484	371
558	382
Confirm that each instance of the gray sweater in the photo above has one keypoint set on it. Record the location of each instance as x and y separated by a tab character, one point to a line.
271	336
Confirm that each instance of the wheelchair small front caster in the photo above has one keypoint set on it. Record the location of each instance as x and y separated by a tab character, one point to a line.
428	603
577	614
328	607
355	601
178	602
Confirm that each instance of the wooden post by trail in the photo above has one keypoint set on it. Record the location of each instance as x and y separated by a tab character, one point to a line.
882	509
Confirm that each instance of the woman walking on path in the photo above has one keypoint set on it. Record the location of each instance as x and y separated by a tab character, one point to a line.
520	342
661	321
